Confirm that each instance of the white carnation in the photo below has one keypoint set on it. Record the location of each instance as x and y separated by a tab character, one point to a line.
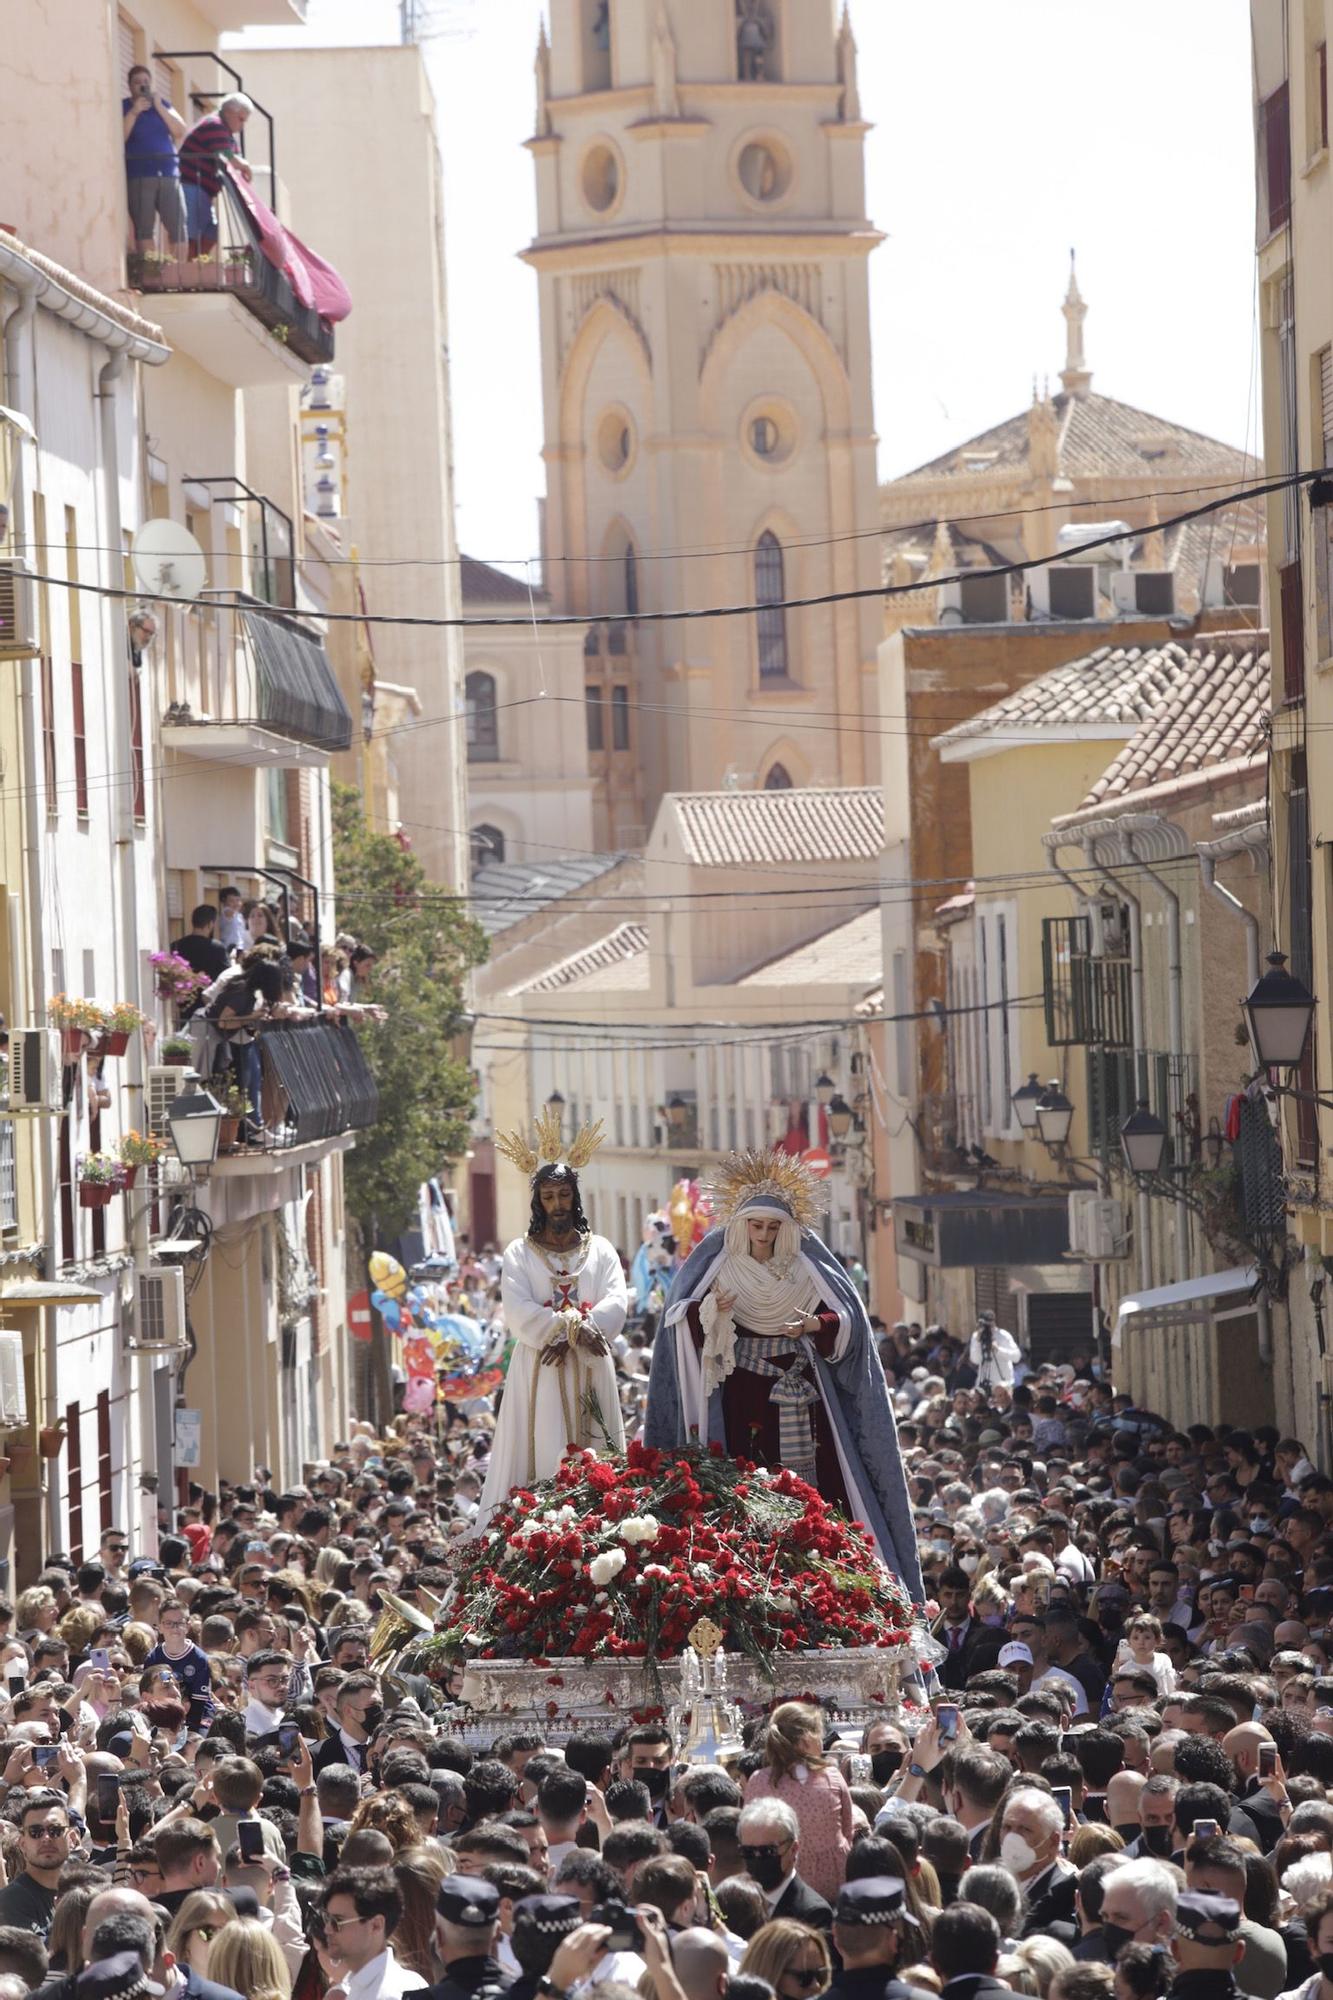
639	1528
610	1563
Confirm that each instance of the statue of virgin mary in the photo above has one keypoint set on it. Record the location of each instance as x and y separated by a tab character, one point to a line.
765	1348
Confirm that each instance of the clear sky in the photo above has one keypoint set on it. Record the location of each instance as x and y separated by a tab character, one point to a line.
1004	135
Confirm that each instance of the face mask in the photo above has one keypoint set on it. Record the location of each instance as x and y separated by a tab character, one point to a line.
941	1548
656	1781
765	1864
1116	1937
1325	1964
1016	1854
1159	1840
883	1765
372	1718
968	1563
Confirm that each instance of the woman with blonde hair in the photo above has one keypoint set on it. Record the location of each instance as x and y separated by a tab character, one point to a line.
77	1626
1044	1959
249	1959
195	1925
797	1772
1087	1842
418	1872
35	1609
791	1957
390	1814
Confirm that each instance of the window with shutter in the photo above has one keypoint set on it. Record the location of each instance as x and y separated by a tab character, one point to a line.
1321	518
127	50
1275	159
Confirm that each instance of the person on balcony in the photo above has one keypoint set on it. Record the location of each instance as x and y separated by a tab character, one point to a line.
152	131
204	148
199	947
234	1007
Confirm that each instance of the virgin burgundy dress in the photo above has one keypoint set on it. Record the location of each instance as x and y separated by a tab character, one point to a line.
753	1419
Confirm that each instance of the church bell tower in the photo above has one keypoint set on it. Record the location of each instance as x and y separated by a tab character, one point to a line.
702	256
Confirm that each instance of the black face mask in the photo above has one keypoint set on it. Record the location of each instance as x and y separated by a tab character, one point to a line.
884	1763
1159	1840
372	1718
765	1865
1325	1964
1116	1937
657	1782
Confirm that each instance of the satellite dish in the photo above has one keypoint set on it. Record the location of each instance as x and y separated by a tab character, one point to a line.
168	561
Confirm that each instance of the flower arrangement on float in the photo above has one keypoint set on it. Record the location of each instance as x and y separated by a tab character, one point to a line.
617	1558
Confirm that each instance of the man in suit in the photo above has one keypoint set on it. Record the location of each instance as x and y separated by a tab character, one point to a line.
1138	1906
770	1848
968	1645
1030	1834
971	1790
870	1928
964	1948
358	1712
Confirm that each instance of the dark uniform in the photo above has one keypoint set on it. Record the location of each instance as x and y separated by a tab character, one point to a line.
877	1906
470	1904
1208	1929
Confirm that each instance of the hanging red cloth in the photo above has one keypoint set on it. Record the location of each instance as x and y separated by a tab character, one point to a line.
315	283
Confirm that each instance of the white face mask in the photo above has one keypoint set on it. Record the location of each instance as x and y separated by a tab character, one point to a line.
967	1563
1016	1854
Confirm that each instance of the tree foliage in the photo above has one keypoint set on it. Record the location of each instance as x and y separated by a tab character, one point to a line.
425	945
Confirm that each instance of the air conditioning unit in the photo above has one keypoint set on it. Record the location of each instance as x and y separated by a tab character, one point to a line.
29	1073
13	1382
1096	1227
163	1085
19	638
1063	590
1232	585
159	1310
982	599
1143	593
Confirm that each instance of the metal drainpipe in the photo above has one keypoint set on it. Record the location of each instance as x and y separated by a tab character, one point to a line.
1116	888
21	386
1175	1030
1208	870
123	756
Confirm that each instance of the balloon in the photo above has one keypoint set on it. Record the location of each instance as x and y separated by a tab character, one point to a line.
388	1273
682	1216
418	1356
391	1315
419	1395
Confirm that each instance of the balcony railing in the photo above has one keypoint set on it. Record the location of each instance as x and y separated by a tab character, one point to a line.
1088	998
1118	1082
251	666
238	265
317	1083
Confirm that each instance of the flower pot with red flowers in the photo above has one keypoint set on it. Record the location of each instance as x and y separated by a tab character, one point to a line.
99	1178
78	1021
122	1021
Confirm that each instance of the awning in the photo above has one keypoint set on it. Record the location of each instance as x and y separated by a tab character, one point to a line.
1183	1304
48	1292
298	695
961	1228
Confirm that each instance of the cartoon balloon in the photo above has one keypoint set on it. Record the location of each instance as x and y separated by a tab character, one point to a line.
419	1394
388	1274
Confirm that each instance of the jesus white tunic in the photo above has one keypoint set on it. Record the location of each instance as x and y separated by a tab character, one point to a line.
536	1424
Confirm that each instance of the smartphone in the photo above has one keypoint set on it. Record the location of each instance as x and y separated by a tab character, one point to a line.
860	1770
1064	1798
45	1754
946	1720
100	1660
1204	1829
250	1839
289	1738
17	1683
1268	1760
1247	1593
108	1796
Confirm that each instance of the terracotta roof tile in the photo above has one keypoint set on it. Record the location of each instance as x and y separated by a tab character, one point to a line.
851	954
483	584
614	953
1112	684
738	829
1096	434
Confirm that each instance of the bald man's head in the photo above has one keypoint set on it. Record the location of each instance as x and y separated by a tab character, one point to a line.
1242	1746
701	1964
1122	1797
115	1903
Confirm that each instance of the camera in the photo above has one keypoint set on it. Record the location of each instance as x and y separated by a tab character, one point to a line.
622	1924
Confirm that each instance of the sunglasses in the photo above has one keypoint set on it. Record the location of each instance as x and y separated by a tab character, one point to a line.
809	1982
206	1931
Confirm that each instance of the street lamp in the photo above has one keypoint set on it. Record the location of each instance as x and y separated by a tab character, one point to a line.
825	1088
194	1120
1279	1013
840	1116
1143	1142
1055	1115
1025	1101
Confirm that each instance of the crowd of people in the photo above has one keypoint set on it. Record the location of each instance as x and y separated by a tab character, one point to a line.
252	968
1114	1780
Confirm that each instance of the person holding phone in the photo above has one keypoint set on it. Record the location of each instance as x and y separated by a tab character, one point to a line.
152	129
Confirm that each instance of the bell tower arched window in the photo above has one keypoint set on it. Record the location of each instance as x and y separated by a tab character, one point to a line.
769	592
596	44
778	779
483	723
488	847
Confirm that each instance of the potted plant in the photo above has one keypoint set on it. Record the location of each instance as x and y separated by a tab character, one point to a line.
235	1109
175	978
138	1149
177	1051
78	1021
122	1020
99	1177
51	1440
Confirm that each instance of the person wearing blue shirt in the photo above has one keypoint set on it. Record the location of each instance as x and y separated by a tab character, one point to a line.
152	170
187	1661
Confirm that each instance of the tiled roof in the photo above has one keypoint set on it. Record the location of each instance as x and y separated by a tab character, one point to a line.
508	892
1112	684
613	953
1214	715
481	584
851	954
1095	435
733	829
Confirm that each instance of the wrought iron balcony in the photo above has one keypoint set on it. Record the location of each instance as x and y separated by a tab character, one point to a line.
250	675
1087	996
317	1086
